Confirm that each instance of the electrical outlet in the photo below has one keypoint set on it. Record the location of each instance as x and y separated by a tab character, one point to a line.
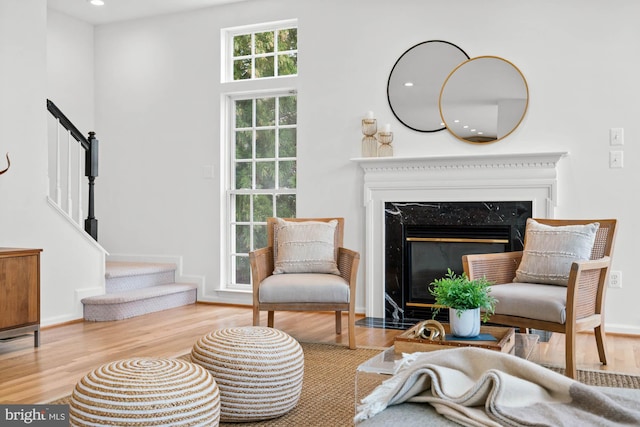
615	279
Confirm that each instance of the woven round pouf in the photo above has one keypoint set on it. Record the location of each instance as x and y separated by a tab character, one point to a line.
146	392
259	371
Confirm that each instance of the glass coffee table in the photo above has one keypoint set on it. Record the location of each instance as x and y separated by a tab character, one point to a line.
374	371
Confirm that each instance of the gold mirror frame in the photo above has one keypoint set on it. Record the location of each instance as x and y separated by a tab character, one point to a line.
483	100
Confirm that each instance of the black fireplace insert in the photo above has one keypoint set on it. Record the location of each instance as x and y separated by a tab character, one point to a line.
423	240
431	250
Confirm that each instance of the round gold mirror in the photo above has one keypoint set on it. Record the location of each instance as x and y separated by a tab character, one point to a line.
415	82
484	99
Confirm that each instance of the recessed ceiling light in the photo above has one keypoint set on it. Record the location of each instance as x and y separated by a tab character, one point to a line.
96	2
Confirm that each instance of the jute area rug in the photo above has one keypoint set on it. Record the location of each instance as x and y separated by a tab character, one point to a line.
328	391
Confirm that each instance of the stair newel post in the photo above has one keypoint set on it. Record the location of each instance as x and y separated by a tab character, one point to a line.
91	172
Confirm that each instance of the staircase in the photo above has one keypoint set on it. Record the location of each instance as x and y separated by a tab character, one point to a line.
136	288
131	288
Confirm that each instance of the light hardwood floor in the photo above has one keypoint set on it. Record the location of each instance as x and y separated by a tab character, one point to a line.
69	351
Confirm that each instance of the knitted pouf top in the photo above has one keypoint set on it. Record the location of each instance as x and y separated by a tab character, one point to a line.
259	371
146	392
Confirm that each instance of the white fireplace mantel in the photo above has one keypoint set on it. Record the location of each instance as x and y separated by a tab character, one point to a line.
479	178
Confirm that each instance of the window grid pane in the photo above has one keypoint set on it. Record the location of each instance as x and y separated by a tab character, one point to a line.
265	42
265	144
264	175
242	45
242	69
264	54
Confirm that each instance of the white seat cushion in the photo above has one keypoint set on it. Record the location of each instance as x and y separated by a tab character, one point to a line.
304	287
531	300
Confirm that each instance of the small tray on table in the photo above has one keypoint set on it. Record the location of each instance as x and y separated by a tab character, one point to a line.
496	338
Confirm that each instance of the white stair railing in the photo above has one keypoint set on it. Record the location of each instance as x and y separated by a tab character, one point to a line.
66	175
80	187
58	198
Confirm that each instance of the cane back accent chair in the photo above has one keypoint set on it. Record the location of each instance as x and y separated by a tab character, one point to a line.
299	290
551	307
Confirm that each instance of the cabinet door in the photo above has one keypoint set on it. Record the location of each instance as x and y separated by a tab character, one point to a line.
19	293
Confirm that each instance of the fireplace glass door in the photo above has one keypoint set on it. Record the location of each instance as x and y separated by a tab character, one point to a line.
431	251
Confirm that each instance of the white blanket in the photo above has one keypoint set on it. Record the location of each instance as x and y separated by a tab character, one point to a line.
478	387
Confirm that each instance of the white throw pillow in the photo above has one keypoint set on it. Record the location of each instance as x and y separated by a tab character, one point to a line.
305	247
549	251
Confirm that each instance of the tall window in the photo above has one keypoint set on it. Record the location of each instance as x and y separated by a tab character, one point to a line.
261	138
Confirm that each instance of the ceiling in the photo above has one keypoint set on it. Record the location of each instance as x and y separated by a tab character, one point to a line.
122	10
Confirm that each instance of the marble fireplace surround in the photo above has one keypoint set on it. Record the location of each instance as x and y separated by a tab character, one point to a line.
463	178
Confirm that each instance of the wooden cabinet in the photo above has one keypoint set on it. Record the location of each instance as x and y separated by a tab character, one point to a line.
20	292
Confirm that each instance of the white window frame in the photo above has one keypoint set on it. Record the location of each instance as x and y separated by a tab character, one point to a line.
235	90
226	37
230	189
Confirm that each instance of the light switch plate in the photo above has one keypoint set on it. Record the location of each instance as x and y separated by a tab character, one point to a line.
616	136
616	159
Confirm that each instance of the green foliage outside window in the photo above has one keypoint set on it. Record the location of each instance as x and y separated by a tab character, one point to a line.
242	45
265	42
286	206
274	53
287	146
244	113
265	172
242	69
265	144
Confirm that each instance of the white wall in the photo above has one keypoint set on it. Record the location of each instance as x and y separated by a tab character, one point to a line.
70	68
158	114
68	262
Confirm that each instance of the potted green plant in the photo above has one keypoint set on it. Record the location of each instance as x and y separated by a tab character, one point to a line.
468	301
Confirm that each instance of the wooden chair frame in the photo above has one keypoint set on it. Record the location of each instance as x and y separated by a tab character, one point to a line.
262	265
585	290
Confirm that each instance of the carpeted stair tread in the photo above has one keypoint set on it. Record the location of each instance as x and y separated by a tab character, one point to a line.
137	288
115	269
131	303
139	294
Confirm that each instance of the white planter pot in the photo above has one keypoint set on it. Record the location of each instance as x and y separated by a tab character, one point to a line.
467	324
